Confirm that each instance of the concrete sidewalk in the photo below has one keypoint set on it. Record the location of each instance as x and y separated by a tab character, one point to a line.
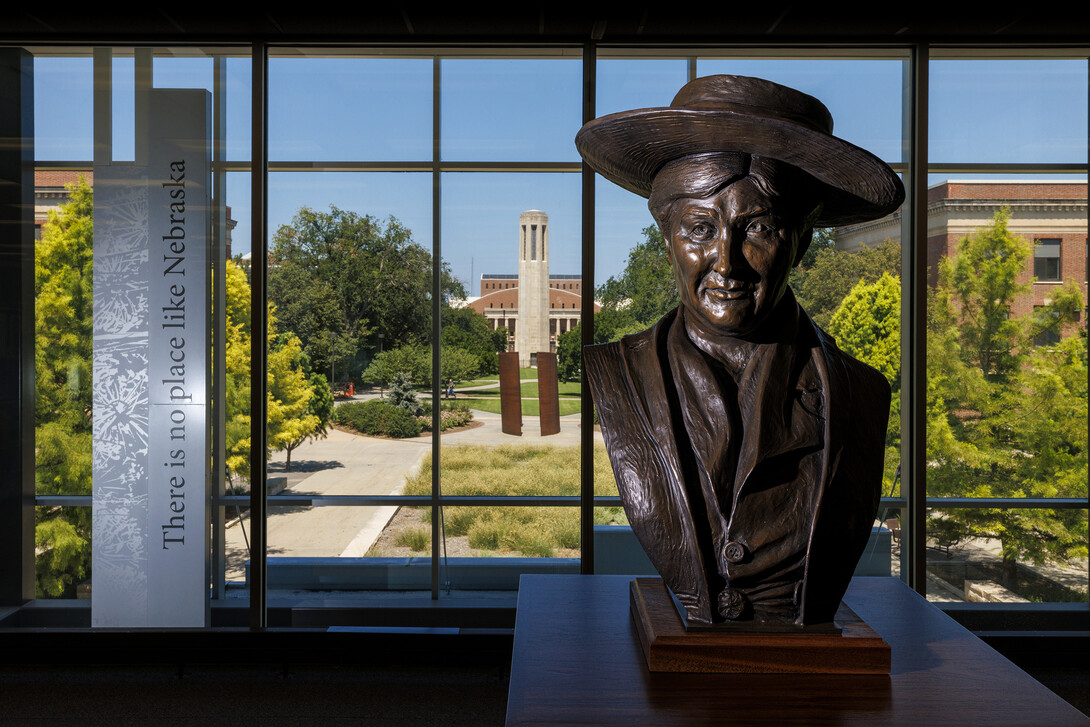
351	464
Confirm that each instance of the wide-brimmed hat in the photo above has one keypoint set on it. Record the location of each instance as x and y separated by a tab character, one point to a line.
742	114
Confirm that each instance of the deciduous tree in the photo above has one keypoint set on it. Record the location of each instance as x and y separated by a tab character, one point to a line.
289	414
62	388
1005	418
822	286
340	279
470	331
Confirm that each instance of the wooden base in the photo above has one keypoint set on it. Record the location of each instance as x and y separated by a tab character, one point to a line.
668	647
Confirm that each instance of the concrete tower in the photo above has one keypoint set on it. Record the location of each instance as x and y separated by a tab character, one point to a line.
532	330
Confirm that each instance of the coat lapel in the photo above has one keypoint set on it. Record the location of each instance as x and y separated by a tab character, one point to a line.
779	418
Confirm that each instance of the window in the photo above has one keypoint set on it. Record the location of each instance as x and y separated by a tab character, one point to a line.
1046	260
328	150
994	229
1047	323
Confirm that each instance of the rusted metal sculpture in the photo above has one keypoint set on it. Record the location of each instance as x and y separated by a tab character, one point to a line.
510	394
747	447
548	394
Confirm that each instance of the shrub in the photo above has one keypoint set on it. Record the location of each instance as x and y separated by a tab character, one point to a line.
458	520
378	417
451	414
415	540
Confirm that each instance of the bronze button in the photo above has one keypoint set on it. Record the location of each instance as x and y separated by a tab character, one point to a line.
734	552
732	604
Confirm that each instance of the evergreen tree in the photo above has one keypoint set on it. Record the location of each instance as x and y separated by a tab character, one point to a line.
403	395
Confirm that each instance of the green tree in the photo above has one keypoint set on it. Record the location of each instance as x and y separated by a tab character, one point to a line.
414	362
569	357
644	292
339	279
824	239
867	326
62	388
402	395
309	308
633	301
458	364
290	417
321	407
833	273
470	331
1005	418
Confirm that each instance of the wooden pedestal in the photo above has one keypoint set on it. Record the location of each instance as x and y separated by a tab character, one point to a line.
668	647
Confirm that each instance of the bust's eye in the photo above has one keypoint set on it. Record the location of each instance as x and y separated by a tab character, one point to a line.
701	232
758	228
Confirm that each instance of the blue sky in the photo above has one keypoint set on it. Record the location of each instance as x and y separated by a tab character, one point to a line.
504	110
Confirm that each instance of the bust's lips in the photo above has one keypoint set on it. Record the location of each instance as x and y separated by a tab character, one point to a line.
728	292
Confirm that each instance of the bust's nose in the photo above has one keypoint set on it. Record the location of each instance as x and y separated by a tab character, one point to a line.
724	250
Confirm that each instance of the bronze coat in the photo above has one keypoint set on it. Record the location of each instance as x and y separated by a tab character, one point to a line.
644	427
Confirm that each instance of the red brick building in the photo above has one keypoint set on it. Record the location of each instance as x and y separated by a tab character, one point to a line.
499	296
1049	215
51	191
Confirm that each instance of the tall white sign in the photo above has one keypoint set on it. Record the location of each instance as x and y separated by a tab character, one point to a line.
150	555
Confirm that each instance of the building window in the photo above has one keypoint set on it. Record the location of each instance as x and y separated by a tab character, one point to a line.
1048	328
1046	260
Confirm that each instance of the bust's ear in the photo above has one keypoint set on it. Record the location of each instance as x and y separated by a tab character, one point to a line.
805	237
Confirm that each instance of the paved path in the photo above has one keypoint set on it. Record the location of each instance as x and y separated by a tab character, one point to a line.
349	464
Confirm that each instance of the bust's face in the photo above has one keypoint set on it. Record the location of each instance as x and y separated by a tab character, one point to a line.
731	255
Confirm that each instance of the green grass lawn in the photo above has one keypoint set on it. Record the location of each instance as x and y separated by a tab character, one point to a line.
530	407
510	470
529	389
478	382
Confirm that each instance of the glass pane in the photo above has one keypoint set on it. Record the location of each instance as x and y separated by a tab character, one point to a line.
1007	375
351	286
1025	111
511	109
968	561
350	109
489	532
882	556
333	548
624	84
865	97
83	282
63	122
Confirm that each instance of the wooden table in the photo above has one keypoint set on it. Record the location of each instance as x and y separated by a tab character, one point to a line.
577	660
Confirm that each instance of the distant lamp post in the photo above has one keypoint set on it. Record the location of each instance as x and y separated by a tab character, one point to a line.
381	336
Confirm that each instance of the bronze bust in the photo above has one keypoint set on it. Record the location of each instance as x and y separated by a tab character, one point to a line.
747	447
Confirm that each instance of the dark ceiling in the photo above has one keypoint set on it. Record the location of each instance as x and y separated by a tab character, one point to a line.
809	23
